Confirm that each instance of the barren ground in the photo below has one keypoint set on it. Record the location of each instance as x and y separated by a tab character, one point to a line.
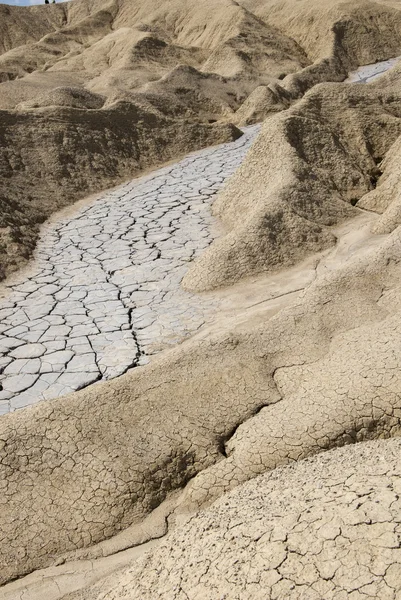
236	310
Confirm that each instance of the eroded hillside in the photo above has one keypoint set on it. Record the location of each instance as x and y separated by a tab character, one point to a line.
142	83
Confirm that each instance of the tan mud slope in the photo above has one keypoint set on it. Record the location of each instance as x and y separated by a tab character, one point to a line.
306	172
271	389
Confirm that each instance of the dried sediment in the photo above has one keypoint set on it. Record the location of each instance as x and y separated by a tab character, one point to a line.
247	399
116	450
85	151
326	527
104	291
336	36
94	92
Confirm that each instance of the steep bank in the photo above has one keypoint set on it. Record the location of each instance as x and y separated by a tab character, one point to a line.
307	171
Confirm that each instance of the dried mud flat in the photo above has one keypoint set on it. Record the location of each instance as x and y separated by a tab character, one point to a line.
259	457
104	291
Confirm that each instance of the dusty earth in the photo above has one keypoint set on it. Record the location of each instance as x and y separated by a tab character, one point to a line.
259	458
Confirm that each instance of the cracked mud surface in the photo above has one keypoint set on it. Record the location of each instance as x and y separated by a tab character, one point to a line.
327	527
229	404
104	291
369	73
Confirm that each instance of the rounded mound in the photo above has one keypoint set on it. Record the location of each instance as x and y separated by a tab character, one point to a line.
71	97
263	101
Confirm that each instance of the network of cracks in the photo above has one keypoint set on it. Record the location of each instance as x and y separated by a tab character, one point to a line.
103	292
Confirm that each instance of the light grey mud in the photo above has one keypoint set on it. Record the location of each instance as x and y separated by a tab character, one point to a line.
369	73
103	293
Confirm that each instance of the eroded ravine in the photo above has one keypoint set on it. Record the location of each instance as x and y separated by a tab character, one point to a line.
104	290
104	293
